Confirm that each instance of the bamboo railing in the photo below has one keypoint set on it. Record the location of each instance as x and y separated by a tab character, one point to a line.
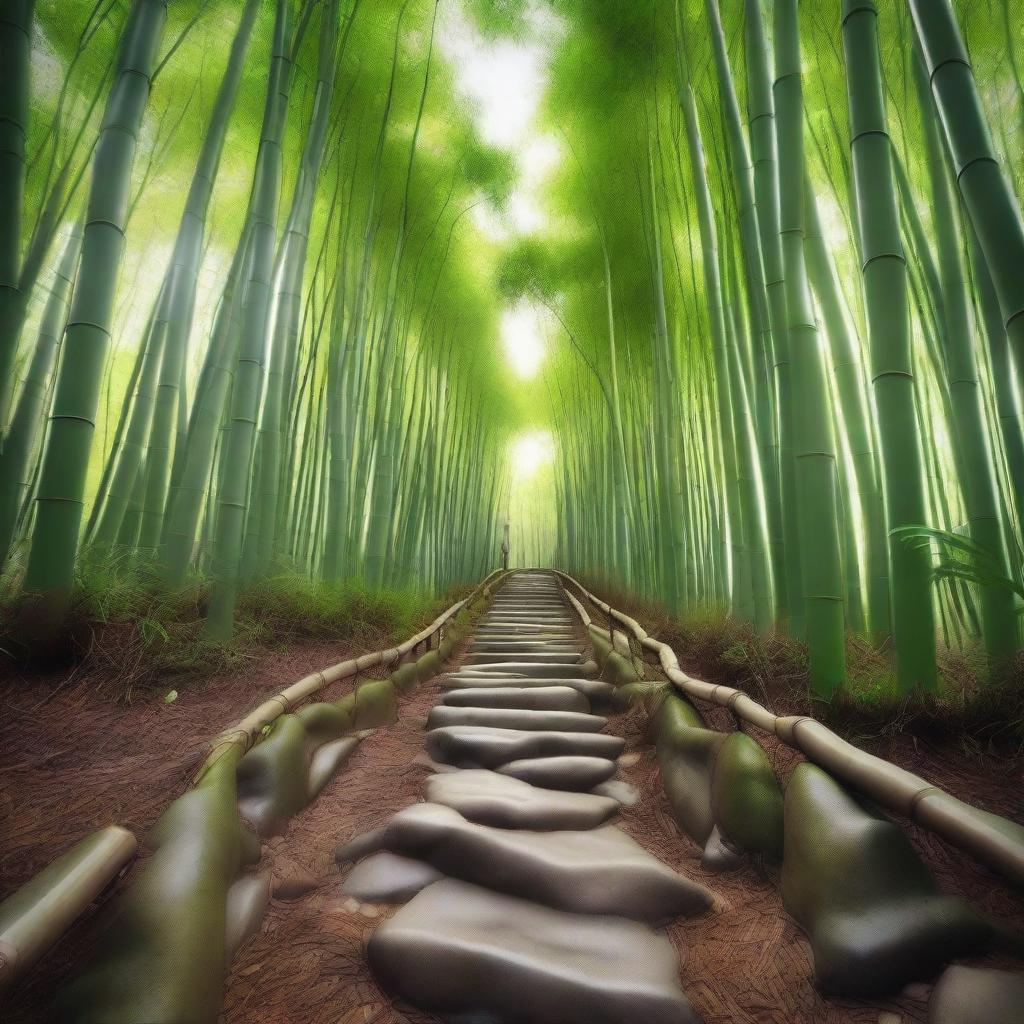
34	917
244	734
996	842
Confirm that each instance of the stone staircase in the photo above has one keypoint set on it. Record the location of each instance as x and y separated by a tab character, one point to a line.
522	900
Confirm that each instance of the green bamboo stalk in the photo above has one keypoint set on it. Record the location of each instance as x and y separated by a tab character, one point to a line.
295	247
814	445
15	87
981	495
51	563
129	460
181	283
22	437
892	369
185	498
1007	410
764	156
233	494
845	348
990	201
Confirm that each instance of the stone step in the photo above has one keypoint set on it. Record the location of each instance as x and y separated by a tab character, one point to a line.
573	773
568	646
547	658
468	746
461	950
523	698
443	717
595	690
562	628
501	801
535	669
599	871
559	621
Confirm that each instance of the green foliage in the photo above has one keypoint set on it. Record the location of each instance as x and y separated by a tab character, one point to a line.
961	559
382	406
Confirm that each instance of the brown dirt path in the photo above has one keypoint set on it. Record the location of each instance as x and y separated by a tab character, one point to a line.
747	961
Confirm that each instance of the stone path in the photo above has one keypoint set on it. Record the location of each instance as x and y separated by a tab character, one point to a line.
525	901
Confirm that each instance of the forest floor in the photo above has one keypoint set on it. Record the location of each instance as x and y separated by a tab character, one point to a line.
73	760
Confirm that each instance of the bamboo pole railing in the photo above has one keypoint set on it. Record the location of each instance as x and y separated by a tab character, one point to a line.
237	739
996	842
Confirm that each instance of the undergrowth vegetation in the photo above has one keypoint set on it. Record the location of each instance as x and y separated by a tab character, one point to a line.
129	634
967	709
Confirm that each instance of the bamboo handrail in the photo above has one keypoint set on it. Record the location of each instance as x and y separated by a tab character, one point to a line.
994	841
240	737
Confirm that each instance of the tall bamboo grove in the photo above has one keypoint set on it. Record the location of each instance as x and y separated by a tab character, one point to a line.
257	262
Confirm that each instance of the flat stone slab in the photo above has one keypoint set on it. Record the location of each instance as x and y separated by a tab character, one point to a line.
388	878
534	645
574	774
552	658
600	871
512	718
526	698
970	995
500	801
458	949
595	690
469	746
538	670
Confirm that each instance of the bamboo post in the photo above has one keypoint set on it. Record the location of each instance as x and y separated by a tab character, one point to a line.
34	917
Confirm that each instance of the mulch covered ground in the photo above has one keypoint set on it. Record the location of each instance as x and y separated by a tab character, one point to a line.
73	760
76	763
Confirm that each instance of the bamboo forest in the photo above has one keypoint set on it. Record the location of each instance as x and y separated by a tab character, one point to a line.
511	511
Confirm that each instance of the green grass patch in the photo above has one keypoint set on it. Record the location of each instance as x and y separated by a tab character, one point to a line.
131	635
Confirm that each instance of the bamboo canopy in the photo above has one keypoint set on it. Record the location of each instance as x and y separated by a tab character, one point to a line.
722	305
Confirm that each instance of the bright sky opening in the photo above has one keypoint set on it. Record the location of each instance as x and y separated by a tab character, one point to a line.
505	81
523	339
530	453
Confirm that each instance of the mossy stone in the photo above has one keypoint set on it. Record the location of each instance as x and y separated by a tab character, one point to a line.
273	778
686	756
602	646
376	704
325	722
649	694
619	670
429	665
746	797
873	913
405	677
674	713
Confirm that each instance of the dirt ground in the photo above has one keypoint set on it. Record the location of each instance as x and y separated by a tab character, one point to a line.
75	763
